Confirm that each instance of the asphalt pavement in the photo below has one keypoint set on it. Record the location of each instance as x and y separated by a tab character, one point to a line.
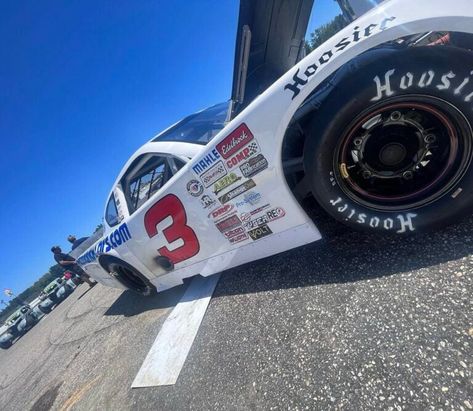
352	322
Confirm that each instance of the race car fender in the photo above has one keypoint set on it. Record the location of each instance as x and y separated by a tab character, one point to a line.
202	226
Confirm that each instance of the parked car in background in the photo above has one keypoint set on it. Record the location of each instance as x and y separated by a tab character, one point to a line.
54	293
19	323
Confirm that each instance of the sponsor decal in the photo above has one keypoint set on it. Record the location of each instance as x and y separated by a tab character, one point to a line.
270	215
254	165
238	238
260	232
221	211
251	198
300	80
402	223
195	188
234	232
238	138
247	216
116	238
87	257
228	224
206	162
247	185
207	201
213	174
225	182
248	151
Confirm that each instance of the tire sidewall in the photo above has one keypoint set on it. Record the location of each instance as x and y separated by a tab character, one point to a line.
362	91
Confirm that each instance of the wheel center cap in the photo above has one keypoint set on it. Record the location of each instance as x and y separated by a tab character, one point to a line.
392	154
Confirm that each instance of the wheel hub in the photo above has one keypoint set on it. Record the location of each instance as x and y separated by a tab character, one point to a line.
401	154
392	154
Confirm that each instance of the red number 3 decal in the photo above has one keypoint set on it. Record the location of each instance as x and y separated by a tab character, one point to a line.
171	206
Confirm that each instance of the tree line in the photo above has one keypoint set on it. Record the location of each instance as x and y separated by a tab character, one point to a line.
31	292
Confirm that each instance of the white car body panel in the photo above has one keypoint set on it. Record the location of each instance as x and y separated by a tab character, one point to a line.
266	118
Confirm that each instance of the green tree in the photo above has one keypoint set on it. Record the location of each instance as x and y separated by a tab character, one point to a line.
99	227
324	32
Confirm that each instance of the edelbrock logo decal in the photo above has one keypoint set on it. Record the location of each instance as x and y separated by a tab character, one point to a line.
254	165
225	182
213	174
234	141
247	185
298	82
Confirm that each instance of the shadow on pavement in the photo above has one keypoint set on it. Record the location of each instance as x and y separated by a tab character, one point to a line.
130	303
344	256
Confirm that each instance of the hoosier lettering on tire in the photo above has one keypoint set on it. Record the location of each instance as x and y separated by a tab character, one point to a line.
390	149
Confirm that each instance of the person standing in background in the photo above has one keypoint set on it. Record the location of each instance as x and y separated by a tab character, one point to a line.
69	263
76	242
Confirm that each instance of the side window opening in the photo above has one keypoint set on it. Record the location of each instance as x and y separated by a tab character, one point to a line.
145	176
148	182
111	212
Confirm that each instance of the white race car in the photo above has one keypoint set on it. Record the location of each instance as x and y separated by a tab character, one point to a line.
375	124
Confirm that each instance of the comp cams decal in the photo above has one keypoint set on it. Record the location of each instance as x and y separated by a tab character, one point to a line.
300	80
247	185
237	139
248	151
401	223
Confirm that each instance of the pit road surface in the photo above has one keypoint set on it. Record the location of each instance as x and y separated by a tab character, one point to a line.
351	322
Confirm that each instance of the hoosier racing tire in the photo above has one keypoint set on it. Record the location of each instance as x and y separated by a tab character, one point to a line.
390	149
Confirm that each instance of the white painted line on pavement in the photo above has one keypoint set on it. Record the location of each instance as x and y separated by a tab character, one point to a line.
166	358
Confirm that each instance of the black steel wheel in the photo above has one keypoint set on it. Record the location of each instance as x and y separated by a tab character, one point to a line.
130	277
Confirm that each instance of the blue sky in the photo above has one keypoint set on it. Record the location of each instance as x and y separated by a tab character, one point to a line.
83	85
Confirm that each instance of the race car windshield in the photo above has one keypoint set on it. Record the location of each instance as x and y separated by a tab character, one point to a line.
197	128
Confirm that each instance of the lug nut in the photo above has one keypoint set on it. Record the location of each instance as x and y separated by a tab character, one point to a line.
430	138
396	115
366	174
408	175
357	141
